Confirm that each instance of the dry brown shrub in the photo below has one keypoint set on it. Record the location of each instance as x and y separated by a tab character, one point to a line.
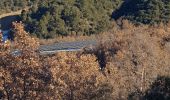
28	75
141	57
78	78
23	76
133	58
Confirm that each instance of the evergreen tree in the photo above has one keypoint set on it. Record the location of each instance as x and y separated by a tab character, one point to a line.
67	17
145	11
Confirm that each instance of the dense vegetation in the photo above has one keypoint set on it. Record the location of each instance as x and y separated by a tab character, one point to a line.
51	18
145	11
13	5
135	60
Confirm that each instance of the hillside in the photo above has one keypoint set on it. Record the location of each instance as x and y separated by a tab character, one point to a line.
54	18
7	6
50	19
144	11
134	62
11	14
121	50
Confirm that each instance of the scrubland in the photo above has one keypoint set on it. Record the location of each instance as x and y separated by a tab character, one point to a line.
134	62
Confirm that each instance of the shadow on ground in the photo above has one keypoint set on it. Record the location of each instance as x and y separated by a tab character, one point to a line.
128	9
159	90
6	22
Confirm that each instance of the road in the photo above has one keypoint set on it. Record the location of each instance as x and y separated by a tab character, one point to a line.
11	14
7	18
62	47
66	46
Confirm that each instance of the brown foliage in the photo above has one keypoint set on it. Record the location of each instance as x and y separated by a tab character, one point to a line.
22	75
132	58
138	56
78	78
27	75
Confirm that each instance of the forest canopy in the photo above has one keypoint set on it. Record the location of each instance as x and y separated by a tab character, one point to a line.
53	18
50	18
13	5
144	11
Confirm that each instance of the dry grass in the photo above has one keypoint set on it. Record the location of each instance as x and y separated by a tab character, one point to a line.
66	39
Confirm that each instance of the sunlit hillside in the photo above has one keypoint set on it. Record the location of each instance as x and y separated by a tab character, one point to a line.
84	49
135	65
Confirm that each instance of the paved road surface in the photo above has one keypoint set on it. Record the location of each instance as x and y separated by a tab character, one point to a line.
8	18
66	46
61	47
11	14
